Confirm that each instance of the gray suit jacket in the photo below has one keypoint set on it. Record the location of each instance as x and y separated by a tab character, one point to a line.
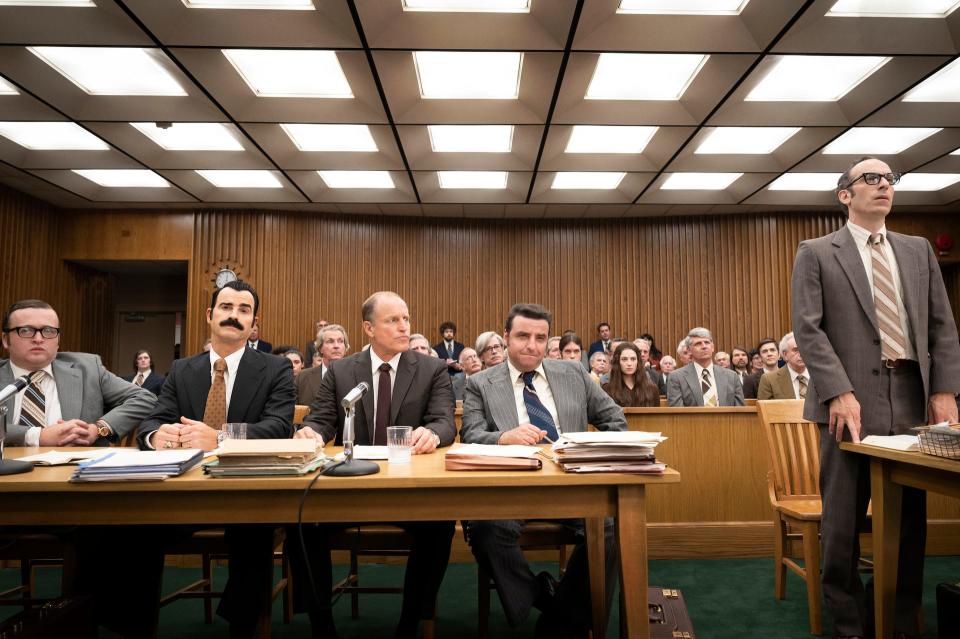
683	387
87	391
834	321
459	382
490	408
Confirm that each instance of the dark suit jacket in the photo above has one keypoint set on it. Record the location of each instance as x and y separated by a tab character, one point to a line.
778	385
421	397
657	378
441	350
307	383
751	384
266	347
595	347
263	395
153	383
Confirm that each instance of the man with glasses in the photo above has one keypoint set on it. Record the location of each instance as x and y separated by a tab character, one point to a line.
71	400
872	319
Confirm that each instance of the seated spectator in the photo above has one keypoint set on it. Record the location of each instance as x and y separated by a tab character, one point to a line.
643	346
740	362
603	340
491	348
701	382
448	349
571	347
420	344
667	366
655	353
629	385
334	345
296	358
470	363
770	357
756	364
143	374
600	367
553	348
790	381
722	358
683	353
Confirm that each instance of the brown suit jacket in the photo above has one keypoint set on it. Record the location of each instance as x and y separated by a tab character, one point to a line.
776	385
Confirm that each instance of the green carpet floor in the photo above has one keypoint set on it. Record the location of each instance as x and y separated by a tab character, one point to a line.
726	598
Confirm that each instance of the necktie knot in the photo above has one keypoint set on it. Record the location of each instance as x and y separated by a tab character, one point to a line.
528	379
220	365
37	376
876	239
385	368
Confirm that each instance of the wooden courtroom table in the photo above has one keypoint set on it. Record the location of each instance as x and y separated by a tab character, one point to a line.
890	471
422	490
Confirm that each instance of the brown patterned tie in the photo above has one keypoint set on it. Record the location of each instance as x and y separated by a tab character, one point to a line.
802	383
139	380
215	412
33	407
709	392
893	345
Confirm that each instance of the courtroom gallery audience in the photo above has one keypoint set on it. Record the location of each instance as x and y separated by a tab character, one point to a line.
334	345
790	381
553	347
571	347
491	348
143	373
629	384
701	382
770	356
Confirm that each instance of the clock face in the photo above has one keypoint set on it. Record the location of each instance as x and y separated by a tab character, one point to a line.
225	275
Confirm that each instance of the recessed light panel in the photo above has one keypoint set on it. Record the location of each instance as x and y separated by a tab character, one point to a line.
943	86
698	181
683	7
893	8
745	140
459	75
240	178
814	78
468	6
331	137
112	70
52	136
190	136
357	179
124	178
47	3
643	76
483	138
302	5
957	152
877	140
587	180
7	89
290	74
926	181
805	182
472	179
609	139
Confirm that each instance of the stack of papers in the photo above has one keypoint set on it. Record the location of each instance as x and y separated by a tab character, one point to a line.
138	465
265	458
492	457
609	452
61	457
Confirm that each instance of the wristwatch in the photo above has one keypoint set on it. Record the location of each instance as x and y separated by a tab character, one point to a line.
103	429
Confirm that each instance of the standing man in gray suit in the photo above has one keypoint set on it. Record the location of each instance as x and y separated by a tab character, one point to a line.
71	400
701	382
872	319
529	400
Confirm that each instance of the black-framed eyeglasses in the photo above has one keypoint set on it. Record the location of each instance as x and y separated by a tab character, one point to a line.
27	332
493	348
874	178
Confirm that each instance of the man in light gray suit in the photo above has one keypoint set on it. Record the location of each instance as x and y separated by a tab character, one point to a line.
527	400
701	382
872	319
71	400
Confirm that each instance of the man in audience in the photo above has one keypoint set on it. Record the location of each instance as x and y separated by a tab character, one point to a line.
295	357
600	367
770	355
553	348
258	344
333	346
701	382
667	366
448	349
756	363
312	345
740	362
603	342
143	373
790	381
471	365
421	386
420	344
722	358
872	318
683	353
529	401
643	345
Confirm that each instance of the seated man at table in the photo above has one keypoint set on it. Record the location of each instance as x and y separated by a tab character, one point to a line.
406	389
530	400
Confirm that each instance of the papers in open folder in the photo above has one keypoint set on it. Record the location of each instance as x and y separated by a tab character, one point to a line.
265	458
492	457
609	452
138	465
61	457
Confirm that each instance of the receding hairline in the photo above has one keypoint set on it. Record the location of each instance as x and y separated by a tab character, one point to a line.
369	309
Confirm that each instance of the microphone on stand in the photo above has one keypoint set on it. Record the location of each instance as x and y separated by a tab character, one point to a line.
11	466
351	467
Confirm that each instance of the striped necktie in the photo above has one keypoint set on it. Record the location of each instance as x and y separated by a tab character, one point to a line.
536	411
802	384
139	380
33	407
709	390
893	345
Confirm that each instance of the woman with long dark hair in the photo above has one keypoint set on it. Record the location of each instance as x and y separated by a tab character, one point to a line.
629	383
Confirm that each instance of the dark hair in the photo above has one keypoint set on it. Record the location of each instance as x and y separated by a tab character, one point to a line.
448	324
601	325
237	285
137	356
767	340
283	351
530	311
753	353
843	184
19	306
739	348
644	391
655	352
570	337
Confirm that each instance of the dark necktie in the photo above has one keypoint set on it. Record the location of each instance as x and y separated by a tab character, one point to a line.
382	419
215	412
536	411
33	407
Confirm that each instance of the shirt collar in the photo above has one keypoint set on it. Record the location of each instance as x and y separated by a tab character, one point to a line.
233	359
794	374
700	369
20	372
862	235
375	361
515	372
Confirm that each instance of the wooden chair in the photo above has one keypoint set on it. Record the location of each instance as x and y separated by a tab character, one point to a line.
300	413
794	486
32	551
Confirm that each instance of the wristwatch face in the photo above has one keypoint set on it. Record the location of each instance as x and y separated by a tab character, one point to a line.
103	430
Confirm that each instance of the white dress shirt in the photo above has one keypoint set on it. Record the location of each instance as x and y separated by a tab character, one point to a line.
51	402
544	394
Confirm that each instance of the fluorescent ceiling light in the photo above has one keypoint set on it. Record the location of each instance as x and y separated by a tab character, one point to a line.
926	181
643	76
455	138
893	8
47	3
112	70
683	7
290	74
7	89
957	152
52	136
877	140
468	6
357	179
191	136
459	75
331	137
805	182
698	181
609	139
592	180
942	86
124	178
302	5
745	140
814	78
240	178
472	179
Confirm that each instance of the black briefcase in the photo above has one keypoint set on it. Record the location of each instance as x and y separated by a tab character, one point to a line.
63	617
667	612
948	611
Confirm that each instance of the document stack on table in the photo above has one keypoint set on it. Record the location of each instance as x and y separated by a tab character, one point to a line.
138	465
265	458
492	457
609	452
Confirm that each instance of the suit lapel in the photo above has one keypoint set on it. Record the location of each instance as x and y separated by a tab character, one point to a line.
406	370
69	389
198	386
694	383
561	382
786	382
503	404
719	382
249	376
848	254
908	263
